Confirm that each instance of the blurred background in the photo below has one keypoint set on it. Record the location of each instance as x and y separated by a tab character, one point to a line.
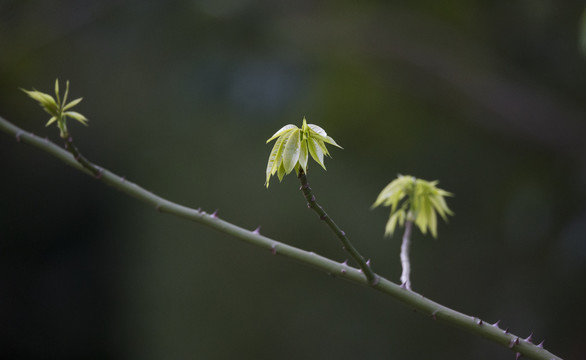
487	97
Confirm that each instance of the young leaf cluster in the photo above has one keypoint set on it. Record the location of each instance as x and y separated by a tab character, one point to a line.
293	147
414	200
57	108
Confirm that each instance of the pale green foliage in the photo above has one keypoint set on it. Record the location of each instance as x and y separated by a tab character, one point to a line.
57	108
414	200
293	147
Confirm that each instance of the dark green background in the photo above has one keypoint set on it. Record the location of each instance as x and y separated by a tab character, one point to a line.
486	96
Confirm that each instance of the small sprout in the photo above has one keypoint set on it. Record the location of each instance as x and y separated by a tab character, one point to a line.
414	200
293	147
57	108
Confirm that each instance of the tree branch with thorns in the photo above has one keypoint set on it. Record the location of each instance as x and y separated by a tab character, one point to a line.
412	201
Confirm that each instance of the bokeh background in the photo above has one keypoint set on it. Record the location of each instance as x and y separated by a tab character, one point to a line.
486	96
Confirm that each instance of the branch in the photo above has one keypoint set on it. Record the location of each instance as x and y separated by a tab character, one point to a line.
346	244
412	299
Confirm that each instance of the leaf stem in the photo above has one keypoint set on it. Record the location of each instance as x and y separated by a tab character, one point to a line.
372	278
405	263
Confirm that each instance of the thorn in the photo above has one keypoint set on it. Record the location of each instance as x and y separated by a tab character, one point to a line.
123	179
540	345
479	322
323	217
434	314
312	198
518	356
343	271
308	205
529	338
214	214
18	135
506	330
100	172
343	232
513	343
158	207
368	262
274	249
496	324
404	286
257	230
345	263
198	210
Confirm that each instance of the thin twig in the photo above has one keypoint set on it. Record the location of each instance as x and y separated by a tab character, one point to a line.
405	263
346	244
69	146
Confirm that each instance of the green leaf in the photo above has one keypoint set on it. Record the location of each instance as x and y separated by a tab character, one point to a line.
331	141
72	104
292	151
394	192
397	217
66	92
316	152
274	158
45	100
432	223
303	155
323	147
319	133
318	130
439	204
77	116
51	120
281	173
57	91
281	132
272	163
